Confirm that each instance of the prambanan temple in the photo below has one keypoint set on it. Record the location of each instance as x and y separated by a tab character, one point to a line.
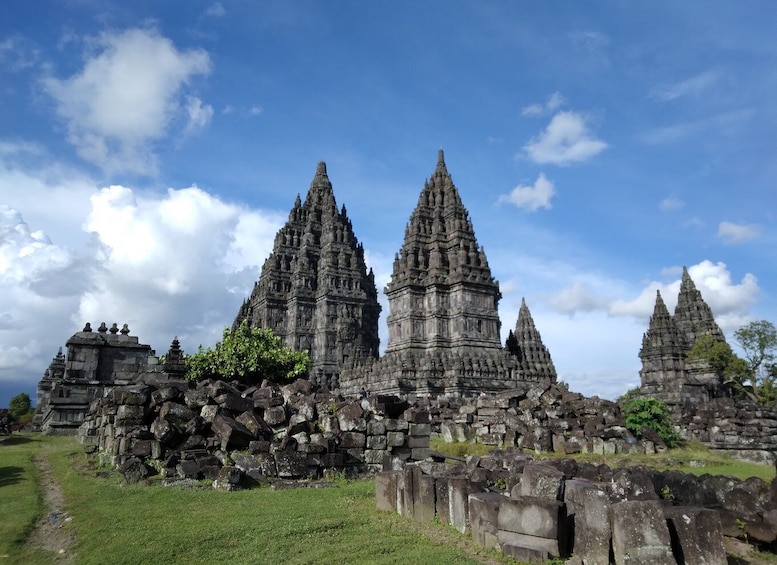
316	292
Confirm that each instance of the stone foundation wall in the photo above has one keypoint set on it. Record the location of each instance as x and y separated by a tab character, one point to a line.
263	432
536	510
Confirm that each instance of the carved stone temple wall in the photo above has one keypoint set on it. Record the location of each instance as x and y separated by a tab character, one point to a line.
315	290
443	322
666	373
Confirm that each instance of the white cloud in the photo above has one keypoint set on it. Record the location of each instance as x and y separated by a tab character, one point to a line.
737	233
199	115
730	302
18	53
531	197
125	97
178	263
255	111
689	87
671	203
565	140
577	298
553	103
215	10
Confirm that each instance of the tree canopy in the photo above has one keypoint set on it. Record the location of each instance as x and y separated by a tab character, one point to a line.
20	406
758	341
248	355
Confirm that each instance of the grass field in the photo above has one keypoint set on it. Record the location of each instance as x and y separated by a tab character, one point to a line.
693	458
129	524
122	524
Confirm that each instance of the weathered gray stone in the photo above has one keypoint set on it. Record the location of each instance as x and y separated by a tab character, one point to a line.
291	464
386	491
228	479
133	470
696	535
542	481
533	522
233	434
639	534
483	517
588	508
275	415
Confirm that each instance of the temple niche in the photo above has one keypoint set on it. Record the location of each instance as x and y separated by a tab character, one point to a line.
315	290
666	371
443	324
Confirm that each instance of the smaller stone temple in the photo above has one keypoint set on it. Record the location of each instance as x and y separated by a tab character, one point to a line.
443	321
666	372
97	361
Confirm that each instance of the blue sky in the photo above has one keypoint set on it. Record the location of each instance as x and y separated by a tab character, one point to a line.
149	151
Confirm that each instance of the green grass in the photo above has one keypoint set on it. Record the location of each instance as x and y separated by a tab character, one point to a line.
128	524
693	458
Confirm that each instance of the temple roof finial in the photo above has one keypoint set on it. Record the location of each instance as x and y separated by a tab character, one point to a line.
321	169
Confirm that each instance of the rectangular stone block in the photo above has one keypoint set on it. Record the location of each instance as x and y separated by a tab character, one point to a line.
530	555
458	496
413	441
352	440
442	499
639	534
530	515
420	429
386	491
542	481
419	453
374	456
395	439
483	516
378	442
530	544
696	535
588	510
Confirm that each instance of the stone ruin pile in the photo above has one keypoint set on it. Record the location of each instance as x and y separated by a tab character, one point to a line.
249	434
542	417
536	510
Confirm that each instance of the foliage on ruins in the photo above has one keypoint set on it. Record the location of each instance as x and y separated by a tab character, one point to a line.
649	413
248	355
20	406
758	341
720	357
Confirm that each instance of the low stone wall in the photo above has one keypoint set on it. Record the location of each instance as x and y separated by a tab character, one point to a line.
544	417
535	510
256	433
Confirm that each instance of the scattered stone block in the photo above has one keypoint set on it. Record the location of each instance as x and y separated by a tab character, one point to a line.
588	512
696	535
534	523
639	534
483	517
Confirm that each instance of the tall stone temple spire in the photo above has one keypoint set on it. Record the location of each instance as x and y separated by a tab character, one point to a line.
442	293
667	372
315	290
534	362
692	315
443	322
663	351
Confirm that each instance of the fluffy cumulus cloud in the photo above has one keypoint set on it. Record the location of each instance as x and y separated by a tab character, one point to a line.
730	301
531	197
126	96
168	264
737	233
566	140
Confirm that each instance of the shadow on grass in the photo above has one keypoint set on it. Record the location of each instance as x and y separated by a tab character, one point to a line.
16	440
10	475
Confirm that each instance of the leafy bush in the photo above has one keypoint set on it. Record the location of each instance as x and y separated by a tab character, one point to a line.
248	355
651	413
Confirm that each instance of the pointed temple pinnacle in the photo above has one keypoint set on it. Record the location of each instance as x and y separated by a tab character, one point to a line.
321	169
441	160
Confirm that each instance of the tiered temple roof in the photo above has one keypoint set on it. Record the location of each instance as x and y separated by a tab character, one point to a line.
315	290
534	362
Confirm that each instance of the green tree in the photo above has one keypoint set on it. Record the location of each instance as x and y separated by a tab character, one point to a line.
721	358
248	355
20	406
758	341
651	413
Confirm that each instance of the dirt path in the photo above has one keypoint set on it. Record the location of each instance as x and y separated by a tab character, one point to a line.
53	532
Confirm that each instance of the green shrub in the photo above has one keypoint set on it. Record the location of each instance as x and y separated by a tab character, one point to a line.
248	355
650	413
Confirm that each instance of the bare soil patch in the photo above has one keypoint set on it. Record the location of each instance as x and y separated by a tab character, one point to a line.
53	532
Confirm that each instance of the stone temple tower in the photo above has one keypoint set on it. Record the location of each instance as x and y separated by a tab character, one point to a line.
441	294
443	322
666	372
314	289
